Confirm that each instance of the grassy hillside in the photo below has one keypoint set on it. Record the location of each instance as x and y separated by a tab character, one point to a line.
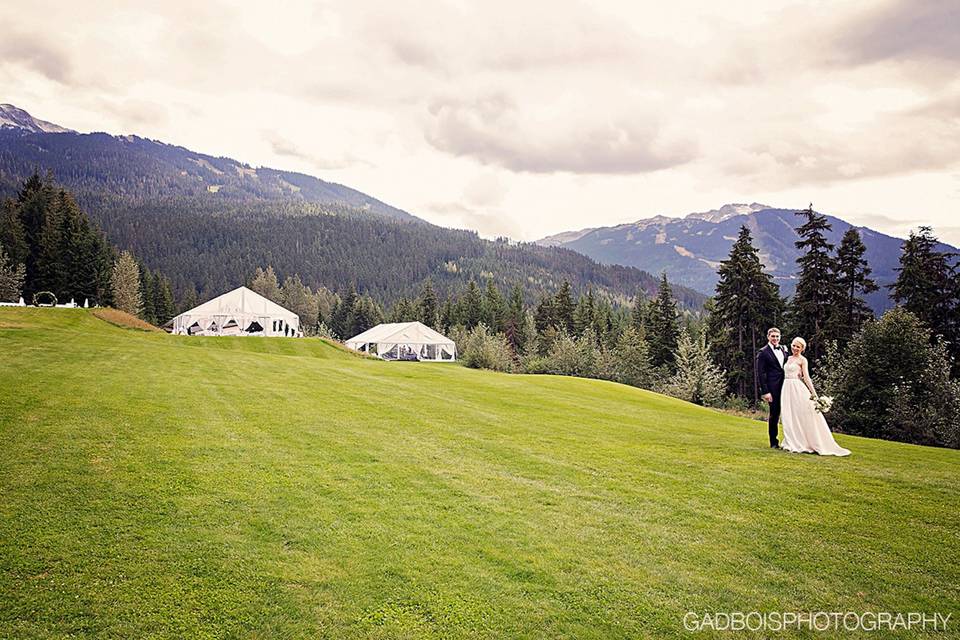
159	486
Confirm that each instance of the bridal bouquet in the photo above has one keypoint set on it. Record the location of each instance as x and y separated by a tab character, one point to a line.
822	403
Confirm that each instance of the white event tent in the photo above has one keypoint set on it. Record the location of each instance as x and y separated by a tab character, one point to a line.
240	312
405	341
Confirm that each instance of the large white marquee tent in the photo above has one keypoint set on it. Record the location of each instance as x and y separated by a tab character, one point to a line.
405	341
240	312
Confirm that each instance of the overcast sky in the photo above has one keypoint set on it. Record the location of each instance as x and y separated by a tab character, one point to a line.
528	118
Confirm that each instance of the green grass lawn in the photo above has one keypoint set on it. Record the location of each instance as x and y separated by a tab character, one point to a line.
160	486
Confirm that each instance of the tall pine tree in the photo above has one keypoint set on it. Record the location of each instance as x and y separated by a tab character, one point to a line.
563	308
817	293
428	311
928	286
747	302
853	282
664	326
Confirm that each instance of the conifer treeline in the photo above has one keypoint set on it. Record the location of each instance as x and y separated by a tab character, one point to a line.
45	231
48	244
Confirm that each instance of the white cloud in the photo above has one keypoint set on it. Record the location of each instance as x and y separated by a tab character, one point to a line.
525	118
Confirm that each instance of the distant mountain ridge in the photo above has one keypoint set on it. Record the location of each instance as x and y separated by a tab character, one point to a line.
140	168
691	248
12	117
207	222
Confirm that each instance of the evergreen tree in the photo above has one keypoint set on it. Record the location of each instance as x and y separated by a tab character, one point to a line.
326	301
448	315
12	236
545	322
563	309
34	203
893	383
639	313
48	266
514	320
817	291
298	298
631	360
853	281
746	303
471	306
664	326
404	311
163	305
11	278
927	286
266	284
342	317
606	324
126	284
584	314
698	379
147	311
494	308
427	311
365	314
189	301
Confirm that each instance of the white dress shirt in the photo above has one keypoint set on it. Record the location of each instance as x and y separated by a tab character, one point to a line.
777	352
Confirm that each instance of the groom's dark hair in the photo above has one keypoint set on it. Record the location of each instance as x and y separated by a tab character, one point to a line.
771	330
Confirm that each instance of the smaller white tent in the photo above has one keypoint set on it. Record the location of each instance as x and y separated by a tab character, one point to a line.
240	312
405	341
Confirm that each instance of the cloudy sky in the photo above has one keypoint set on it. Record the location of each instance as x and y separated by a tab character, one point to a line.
528	118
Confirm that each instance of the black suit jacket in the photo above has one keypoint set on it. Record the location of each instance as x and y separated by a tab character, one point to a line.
769	370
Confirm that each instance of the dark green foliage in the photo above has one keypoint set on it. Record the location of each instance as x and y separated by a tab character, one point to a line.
297	297
61	251
147	290
470	307
630	360
404	311
817	294
494	307
746	303
341	321
639	315
366	314
563	308
448	315
354	314
584	314
514	319
427	305
892	383
267	284
162	295
853	282
928	286
12	235
664	326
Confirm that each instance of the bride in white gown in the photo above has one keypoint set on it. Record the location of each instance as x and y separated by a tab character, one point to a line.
805	429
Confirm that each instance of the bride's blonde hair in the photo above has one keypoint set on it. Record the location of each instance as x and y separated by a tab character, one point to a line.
803	343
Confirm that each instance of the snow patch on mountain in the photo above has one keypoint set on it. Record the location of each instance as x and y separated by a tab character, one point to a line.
16	118
728	211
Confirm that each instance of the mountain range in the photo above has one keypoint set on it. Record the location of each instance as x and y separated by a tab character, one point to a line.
208	222
690	249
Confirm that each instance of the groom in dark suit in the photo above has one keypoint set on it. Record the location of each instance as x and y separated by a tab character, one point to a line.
769	369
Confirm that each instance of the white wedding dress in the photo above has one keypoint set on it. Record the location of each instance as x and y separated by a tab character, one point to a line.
805	429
